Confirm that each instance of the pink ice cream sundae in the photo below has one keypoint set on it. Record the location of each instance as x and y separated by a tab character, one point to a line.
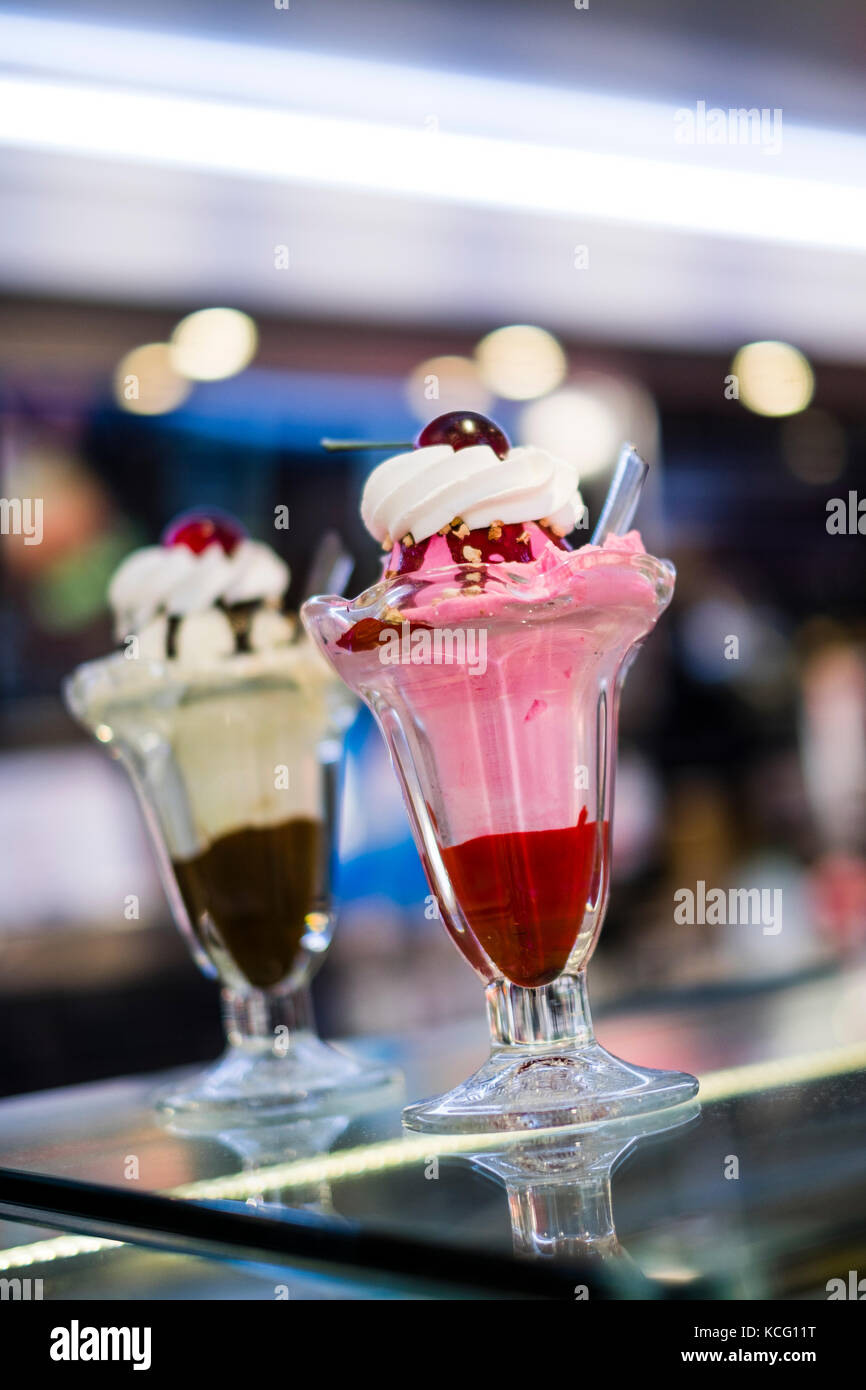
490	653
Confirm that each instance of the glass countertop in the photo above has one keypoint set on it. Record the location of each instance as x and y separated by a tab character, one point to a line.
755	1191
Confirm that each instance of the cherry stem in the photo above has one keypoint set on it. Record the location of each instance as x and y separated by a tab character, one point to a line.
334	446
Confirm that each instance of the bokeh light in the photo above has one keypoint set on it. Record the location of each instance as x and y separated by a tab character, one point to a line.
521	362
446	383
774	378
146	382
586	421
212	344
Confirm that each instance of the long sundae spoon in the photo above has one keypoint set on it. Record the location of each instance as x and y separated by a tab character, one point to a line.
623	495
330	568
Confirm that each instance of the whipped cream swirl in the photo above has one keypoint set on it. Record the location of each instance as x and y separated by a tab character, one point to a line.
175	600
422	491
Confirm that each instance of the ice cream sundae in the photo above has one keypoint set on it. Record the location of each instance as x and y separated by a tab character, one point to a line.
507	771
229	724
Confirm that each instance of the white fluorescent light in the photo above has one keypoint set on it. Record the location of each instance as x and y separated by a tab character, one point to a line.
501	145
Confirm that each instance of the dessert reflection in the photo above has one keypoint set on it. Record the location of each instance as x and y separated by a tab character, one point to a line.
263	1153
558	1187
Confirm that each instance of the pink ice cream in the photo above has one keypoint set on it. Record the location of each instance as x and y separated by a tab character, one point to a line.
491	653
470	590
494	663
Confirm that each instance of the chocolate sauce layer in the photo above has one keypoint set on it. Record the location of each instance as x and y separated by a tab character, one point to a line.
250	891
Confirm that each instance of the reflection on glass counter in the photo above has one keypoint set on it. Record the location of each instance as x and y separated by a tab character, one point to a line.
758	1193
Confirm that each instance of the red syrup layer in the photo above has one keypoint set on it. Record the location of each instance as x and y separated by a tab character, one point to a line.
524	895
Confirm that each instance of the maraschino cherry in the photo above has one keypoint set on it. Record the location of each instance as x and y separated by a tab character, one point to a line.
198	529
461	429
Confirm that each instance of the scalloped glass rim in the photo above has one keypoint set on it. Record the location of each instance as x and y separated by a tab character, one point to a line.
510	584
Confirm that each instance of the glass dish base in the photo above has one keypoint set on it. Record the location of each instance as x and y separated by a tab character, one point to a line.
524	1088
249	1086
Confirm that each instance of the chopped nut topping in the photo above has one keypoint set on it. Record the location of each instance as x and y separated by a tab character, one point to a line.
461	530
387	543
408	539
524	537
471	554
391	615
445	530
473	589
495	532
456	521
471	575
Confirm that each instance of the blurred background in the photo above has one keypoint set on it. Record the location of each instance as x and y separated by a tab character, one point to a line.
290	220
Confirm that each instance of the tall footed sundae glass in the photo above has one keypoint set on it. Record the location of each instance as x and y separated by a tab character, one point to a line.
230	726
492	656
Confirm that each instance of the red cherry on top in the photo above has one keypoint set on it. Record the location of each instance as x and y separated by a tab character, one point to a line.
199	529
461	429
